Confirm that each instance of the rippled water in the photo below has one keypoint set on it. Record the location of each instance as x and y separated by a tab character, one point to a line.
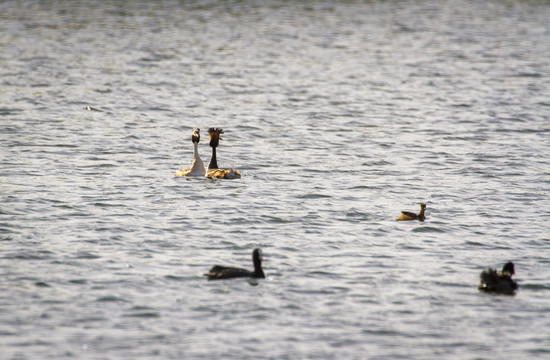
338	114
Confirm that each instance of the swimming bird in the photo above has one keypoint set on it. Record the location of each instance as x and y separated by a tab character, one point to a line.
406	215
212	171
197	167
218	272
491	280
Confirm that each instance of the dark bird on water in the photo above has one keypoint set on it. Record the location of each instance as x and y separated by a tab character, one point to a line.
407	215
494	281
218	272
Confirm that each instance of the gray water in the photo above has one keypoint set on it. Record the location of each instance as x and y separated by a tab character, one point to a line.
338	115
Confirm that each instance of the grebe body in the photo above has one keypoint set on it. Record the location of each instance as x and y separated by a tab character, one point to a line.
218	272
224	174
407	215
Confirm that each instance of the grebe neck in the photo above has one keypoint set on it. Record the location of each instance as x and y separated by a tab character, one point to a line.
213	164
196	150
258	271
197	167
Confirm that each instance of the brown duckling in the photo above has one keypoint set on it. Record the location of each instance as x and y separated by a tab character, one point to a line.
494	281
218	272
407	215
212	171
197	167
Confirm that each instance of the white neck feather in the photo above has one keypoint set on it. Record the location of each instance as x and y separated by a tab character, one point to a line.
197	167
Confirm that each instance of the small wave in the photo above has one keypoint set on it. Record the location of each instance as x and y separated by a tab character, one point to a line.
175	278
411	247
357	216
86	255
474	243
529	75
539	351
313	196
276	220
535	286
382	332
143	312
423	229
377	163
151	314
111	299
105	205
4	230
324	273
78	281
26	255
9	111
314	292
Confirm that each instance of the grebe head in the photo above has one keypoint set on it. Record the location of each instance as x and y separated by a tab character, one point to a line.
196	135
257	255
423	206
215	136
509	268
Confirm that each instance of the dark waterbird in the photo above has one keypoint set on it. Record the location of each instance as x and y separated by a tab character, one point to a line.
218	272
407	215
498	281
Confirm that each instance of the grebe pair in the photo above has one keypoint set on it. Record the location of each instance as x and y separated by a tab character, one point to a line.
212	171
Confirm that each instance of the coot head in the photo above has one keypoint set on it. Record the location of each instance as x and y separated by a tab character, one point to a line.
509	268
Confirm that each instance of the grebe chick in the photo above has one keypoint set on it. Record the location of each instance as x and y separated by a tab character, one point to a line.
197	167
218	272
407	215
491	280
212	171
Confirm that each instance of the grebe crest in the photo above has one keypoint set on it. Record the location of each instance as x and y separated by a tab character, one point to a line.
197	166
407	215
215	136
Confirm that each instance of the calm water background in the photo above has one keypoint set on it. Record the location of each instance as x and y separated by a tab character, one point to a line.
338	114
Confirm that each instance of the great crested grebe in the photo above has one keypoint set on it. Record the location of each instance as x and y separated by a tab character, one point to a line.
406	215
218	272
212	171
197	167
491	280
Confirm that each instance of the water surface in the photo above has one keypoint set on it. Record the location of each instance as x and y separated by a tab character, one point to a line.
338	114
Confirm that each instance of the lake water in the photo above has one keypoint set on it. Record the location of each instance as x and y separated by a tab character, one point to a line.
338	115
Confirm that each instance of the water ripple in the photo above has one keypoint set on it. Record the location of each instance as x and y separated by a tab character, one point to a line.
337	114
